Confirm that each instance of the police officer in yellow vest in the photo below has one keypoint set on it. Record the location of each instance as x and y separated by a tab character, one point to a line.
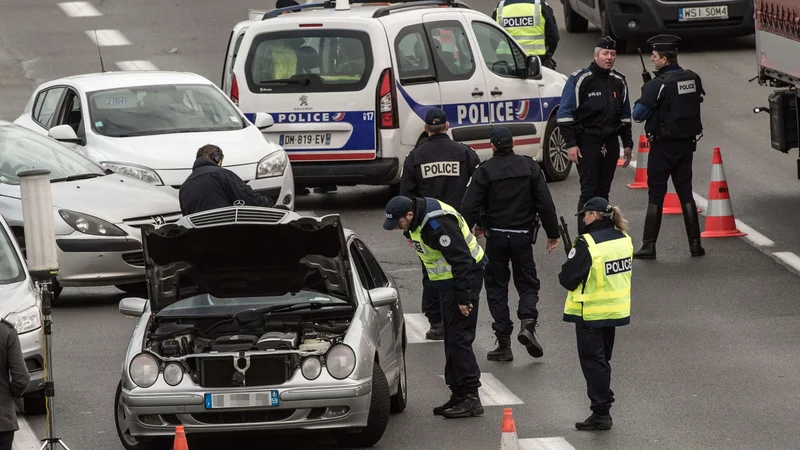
455	263
597	275
532	24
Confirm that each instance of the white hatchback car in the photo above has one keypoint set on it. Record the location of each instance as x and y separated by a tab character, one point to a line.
148	125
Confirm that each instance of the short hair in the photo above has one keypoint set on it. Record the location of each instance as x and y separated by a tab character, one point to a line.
671	56
207	150
597	50
436	129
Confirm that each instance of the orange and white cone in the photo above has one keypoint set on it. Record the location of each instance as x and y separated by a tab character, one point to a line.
180	439
720	221
509	440
642	153
672	203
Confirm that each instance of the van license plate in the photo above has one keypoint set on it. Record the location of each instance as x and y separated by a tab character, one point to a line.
304	139
703	13
242	400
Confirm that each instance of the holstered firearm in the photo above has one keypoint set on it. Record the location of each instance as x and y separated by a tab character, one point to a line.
562	229
645	74
535	228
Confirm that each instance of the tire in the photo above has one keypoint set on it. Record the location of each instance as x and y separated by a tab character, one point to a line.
378	415
573	22
400	399
555	164
128	441
34	404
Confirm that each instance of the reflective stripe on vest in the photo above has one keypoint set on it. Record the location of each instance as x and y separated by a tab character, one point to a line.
607	293
435	264
530	36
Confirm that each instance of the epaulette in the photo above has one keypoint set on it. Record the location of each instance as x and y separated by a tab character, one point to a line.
618	73
578	72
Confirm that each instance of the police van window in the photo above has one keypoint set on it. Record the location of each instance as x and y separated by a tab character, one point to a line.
413	56
452	53
309	61
46	104
500	56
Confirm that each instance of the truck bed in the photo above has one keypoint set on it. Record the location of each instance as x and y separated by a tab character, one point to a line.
778	40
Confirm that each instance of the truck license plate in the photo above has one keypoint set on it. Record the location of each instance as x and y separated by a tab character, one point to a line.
304	139
242	400
703	13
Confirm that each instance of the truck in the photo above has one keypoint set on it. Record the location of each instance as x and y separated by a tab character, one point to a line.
778	51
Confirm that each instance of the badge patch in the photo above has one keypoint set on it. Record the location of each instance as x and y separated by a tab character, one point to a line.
571	253
444	241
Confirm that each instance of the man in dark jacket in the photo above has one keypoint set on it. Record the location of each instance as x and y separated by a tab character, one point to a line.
13	382
210	186
504	197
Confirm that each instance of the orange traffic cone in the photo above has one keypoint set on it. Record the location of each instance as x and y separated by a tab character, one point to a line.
719	218
672	203
621	160
640	182
180	439
509	440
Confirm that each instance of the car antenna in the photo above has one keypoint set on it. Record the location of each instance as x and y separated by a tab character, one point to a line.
97	43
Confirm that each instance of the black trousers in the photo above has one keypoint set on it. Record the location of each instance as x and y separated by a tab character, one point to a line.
595	169
502	248
595	346
6	440
461	371
670	157
430	299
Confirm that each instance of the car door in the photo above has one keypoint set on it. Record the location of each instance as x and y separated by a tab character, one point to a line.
514	99
462	85
234	42
44	108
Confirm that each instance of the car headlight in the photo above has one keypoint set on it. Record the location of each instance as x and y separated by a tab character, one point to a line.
131	170
87	224
311	368
144	370
26	320
341	361
173	374
272	165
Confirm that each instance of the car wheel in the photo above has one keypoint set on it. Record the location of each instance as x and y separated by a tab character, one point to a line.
400	399
128	441
34	404
378	415
573	22
555	163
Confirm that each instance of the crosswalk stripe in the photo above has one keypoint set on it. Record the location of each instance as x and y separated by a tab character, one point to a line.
549	443
416	327
494	393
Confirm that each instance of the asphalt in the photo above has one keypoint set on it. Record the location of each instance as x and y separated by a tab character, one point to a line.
708	362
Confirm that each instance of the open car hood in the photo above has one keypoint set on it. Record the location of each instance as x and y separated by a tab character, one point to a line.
244	252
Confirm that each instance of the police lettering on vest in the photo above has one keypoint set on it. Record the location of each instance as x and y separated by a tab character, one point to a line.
441	168
679	113
510	22
686	87
618	266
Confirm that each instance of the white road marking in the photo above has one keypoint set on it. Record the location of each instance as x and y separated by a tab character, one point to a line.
755	238
494	393
404	270
790	259
136	65
25	438
416	327
549	443
79	9
108	38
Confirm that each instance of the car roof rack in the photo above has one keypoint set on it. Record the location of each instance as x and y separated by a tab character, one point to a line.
385	11
279	11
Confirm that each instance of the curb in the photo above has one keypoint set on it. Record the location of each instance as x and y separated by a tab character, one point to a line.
25	438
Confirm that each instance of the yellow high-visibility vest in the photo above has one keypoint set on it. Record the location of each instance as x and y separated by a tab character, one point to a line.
525	23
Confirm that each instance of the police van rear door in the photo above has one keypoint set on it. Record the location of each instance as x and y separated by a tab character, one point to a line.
234	43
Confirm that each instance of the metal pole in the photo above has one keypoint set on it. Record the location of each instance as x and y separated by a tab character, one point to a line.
49	386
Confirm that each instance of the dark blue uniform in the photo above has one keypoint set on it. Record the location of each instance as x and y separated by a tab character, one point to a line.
210	186
594	112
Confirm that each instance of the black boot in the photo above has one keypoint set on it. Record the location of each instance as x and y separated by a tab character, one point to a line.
527	337
503	350
454	400
470	405
595	422
652	225
692	228
436	333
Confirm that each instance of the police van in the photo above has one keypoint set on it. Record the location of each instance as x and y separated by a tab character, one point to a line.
348	86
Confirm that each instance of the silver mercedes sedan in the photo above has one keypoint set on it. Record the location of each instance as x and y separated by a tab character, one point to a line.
97	214
261	319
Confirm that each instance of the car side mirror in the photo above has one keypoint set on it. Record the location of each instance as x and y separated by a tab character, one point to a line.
534	66
64	133
263	120
383	296
132	306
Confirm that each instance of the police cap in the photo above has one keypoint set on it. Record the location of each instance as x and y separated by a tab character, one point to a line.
435	116
598	204
502	138
396	209
664	43
606	42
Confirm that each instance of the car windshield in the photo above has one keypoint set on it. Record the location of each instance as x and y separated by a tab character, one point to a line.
11	270
162	109
21	149
208	305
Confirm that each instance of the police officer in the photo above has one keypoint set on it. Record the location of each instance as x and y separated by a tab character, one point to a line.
532	24
210	186
597	275
439	168
594	112
670	103
13	382
455	263
504	197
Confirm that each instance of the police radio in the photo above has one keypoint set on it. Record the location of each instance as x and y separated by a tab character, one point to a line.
645	74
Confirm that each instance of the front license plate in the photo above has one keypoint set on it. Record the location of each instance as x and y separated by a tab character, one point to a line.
703	13
304	139
242	400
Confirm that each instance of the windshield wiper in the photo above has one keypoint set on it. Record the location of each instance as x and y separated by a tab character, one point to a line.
304	82
251	315
82	176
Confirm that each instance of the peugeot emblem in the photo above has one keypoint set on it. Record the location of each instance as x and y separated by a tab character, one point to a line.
159	220
303	100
